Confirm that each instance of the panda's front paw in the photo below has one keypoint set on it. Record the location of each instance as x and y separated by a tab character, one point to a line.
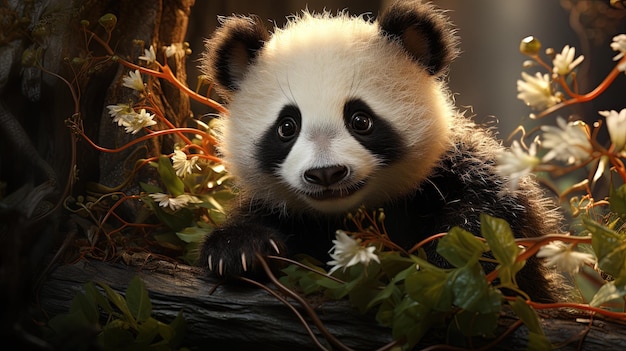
233	250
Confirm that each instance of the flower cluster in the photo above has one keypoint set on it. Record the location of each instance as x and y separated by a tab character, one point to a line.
183	162
540	91
126	116
570	143
175	203
570	146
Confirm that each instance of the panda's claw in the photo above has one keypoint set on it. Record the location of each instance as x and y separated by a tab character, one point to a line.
273	243
244	264
220	267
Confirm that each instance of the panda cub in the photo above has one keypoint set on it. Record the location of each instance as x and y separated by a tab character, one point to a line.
331	113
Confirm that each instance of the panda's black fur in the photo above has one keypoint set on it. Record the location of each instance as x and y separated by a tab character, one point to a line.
320	125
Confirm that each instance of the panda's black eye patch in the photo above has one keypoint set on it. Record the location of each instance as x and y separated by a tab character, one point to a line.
278	139
288	123
361	122
372	131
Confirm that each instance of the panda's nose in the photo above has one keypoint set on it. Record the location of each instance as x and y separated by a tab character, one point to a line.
326	176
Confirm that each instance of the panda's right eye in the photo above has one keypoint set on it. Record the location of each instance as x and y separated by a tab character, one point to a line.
287	128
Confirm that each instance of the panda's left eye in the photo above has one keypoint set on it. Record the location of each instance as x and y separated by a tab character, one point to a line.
287	128
361	122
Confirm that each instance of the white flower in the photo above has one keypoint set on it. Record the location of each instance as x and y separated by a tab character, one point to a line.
175	203
137	121
170	50
120	113
134	81
124	115
517	163
561	255
149	55
616	124
619	44
182	165
536	91
564	62
348	252
569	142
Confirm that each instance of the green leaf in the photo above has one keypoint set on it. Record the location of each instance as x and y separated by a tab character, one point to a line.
428	287
116	337
537	339
613	290
500	238
146	332
460	247
69	323
588	282
391	291
610	248
361	297
471	291
393	262
169	240
528	315
138	300
501	241
617	200
384	316
474	324
410	322
538	342
178	221
172	182
149	188
178	327
120	303
91	290
193	234
83	304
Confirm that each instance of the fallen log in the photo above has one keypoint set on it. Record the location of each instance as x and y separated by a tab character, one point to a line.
241	316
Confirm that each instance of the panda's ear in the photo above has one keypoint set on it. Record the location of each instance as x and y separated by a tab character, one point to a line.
424	32
232	48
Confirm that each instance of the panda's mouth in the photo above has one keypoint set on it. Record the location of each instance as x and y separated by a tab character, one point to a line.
336	194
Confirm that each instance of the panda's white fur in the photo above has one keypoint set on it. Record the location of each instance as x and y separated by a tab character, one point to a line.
316	62
331	113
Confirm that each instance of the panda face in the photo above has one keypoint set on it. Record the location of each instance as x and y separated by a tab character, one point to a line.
328	164
332	115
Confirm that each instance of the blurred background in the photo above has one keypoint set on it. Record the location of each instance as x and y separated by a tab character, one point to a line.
484	77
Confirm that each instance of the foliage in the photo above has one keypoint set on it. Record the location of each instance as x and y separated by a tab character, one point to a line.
187	199
129	324
411	295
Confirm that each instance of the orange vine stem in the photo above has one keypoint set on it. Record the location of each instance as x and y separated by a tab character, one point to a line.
146	137
586	97
578	306
426	241
166	74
